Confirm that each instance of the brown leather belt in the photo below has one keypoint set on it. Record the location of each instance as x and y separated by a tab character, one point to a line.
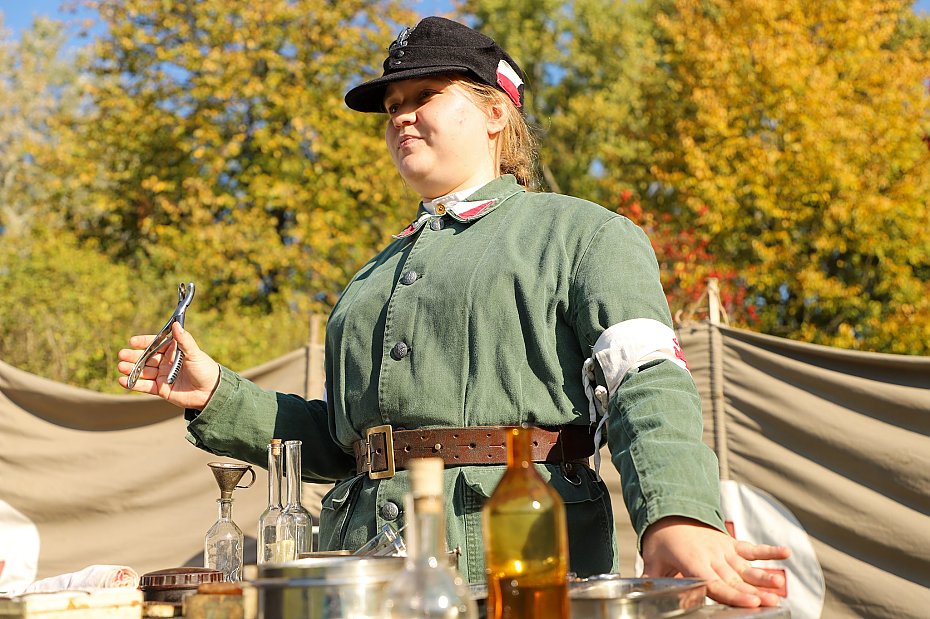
384	450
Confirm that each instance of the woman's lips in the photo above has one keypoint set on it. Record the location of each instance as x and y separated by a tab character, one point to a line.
406	140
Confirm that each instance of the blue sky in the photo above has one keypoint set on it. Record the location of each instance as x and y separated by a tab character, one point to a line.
18	14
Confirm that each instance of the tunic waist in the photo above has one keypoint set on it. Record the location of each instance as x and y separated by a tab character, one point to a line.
385	450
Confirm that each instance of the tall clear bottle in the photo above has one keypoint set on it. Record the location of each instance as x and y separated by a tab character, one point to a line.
428	588
268	548
525	540
295	533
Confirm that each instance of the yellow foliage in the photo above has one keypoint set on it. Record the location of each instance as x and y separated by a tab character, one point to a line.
795	141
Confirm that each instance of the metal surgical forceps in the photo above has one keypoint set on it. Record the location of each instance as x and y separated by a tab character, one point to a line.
185	296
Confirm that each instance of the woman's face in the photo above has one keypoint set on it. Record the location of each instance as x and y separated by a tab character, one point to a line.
440	140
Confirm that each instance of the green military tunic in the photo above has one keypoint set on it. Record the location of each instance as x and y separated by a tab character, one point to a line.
485	319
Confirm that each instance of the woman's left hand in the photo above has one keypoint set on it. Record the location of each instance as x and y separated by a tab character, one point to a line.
681	547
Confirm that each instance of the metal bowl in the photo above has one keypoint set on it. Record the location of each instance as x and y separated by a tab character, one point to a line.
609	596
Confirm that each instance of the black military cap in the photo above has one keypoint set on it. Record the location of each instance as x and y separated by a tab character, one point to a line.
439	45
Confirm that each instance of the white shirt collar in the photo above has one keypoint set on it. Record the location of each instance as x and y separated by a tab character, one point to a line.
450	200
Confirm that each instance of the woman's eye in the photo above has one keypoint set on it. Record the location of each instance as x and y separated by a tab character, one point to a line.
426	94
392	108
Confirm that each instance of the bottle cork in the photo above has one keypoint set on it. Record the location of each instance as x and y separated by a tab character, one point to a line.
426	482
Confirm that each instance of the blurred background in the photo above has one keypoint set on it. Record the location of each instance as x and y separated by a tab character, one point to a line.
780	146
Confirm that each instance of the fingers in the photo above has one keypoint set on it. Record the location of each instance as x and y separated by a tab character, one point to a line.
763	578
735	593
141	341
149	371
754	552
142	385
185	340
740	579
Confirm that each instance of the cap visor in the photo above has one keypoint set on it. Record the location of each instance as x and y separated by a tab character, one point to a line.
369	96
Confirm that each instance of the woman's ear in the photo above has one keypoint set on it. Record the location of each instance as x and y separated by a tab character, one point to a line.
497	119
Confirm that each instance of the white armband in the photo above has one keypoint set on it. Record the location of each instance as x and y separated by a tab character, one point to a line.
620	348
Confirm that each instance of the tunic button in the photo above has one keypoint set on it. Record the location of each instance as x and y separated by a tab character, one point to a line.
435	224
409	277
399	351
390	511
440	209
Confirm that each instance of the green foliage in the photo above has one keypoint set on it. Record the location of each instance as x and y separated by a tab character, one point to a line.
780	146
59	305
585	63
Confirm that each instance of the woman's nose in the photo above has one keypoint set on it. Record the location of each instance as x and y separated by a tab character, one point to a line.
404	117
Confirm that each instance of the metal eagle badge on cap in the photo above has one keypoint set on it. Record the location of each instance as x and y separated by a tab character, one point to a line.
396	49
401	40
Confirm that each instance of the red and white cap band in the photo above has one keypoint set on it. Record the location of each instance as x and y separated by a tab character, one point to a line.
508	79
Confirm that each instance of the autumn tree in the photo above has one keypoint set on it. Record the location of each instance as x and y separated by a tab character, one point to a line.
778	146
792	134
59	297
220	151
36	83
589	65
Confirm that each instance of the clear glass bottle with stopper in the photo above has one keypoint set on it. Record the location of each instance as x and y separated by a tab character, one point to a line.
428	588
295	532
525	540
223	543
268	548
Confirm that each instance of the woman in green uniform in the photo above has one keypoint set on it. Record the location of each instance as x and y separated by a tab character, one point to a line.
496	306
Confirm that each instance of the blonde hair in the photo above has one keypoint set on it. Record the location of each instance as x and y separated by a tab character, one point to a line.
518	144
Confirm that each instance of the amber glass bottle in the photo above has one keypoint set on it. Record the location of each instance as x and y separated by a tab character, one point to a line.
525	540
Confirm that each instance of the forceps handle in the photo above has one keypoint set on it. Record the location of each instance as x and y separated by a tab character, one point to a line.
176	366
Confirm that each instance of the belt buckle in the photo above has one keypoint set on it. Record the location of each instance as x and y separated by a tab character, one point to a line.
387	431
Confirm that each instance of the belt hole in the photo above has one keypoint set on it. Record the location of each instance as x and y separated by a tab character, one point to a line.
378	451
455	436
407	448
472	445
455	456
535	443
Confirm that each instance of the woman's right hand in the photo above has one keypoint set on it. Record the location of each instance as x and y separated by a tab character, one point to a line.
196	382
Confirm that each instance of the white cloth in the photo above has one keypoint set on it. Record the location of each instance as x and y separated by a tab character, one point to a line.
620	348
19	550
758	517
91	577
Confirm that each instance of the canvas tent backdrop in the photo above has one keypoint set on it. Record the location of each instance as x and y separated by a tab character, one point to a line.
841	438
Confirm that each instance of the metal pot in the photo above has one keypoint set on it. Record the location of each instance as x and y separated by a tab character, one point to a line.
335	587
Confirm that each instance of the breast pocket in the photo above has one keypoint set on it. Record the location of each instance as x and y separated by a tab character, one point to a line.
336	508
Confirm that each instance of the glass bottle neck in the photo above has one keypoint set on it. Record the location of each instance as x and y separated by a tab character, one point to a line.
428	539
275	463
519	450
292	462
225	508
